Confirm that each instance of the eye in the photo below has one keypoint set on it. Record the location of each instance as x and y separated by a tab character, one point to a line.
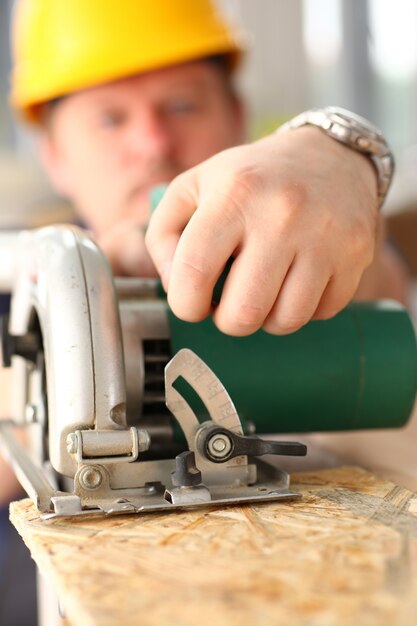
181	106
111	119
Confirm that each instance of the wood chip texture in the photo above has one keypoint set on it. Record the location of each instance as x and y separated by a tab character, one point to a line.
343	555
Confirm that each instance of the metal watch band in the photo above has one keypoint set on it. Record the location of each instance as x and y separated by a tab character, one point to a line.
357	133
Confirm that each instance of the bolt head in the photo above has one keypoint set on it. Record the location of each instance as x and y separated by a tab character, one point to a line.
72	443
219	446
91	477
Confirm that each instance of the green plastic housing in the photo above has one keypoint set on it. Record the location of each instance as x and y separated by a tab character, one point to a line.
355	371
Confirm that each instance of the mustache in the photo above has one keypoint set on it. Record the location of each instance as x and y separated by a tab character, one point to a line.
159	173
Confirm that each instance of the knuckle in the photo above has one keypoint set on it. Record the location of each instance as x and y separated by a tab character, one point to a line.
181	188
362	241
179	183
246	180
195	269
361	252
293	198
240	186
235	193
291	204
349	248
248	315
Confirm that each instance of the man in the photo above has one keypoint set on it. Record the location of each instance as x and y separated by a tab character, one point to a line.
129	96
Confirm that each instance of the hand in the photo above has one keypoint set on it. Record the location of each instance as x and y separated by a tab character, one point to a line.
297	211
125	249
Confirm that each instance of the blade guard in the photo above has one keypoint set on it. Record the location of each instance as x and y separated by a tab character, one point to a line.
64	285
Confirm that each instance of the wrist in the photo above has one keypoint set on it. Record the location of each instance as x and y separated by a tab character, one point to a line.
357	134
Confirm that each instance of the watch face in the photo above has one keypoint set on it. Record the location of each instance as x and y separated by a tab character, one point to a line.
352	118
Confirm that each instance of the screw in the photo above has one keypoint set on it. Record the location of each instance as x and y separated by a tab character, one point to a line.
219	446
91	477
72	443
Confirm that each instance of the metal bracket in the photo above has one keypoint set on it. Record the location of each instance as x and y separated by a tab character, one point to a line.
30	476
121	446
112	480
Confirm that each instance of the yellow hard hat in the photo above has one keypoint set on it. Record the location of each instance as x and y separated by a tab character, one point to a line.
62	46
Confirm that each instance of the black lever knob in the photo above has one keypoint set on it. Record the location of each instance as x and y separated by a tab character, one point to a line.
220	444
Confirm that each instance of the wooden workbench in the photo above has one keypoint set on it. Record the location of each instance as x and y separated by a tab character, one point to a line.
344	555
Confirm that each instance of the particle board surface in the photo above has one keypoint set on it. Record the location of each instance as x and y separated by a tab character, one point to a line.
343	555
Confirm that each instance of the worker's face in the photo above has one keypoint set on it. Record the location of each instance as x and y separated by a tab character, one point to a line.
107	146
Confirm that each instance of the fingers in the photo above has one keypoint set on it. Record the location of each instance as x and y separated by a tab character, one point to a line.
208	241
296	256
274	283
251	288
299	295
266	286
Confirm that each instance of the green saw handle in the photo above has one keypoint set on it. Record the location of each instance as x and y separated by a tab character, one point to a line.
355	371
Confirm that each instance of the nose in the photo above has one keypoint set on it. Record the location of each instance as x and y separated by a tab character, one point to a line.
147	136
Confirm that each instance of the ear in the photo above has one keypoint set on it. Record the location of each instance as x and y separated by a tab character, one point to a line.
53	162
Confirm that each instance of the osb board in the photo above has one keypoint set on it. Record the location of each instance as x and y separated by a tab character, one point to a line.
344	555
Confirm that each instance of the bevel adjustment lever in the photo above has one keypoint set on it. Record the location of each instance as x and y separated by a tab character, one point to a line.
220	444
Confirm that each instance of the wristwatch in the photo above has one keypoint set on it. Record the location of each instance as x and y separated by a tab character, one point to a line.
357	133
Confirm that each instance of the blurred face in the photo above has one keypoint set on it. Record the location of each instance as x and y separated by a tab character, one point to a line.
107	146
